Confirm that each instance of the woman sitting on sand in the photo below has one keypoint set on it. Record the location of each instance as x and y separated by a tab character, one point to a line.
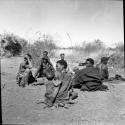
24	76
59	88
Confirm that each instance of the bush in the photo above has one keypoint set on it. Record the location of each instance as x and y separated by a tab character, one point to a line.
40	46
13	44
93	47
120	47
117	60
117	56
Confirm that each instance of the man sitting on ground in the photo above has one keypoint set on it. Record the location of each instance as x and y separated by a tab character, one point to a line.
103	68
88	79
44	65
59	89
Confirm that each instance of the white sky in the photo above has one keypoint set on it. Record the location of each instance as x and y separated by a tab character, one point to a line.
84	20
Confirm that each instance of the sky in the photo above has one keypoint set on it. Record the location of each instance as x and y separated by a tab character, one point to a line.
83	20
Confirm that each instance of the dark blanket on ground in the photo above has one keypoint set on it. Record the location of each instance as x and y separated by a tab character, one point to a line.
88	79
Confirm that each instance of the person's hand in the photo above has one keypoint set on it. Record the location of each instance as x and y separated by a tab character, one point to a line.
29	61
35	76
57	82
82	64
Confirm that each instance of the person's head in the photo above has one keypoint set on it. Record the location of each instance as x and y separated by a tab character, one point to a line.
45	54
104	60
62	56
25	60
61	65
89	62
29	56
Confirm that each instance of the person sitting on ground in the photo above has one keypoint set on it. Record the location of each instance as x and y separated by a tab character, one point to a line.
43	68
103	68
44	55
88	79
65	91
24	75
44	65
58	89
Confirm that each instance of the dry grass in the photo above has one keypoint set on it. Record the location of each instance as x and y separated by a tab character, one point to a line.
92	108
14	45
116	55
95	50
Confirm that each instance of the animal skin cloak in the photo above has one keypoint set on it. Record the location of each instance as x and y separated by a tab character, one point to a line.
60	93
88	79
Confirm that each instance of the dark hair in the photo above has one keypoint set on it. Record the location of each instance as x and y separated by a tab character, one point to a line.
30	57
25	58
62	54
45	52
62	62
90	60
104	59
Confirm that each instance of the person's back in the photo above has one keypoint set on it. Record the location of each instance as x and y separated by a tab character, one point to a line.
103	68
103	71
86	75
88	78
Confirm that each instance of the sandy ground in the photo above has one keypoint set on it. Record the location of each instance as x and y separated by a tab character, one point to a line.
92	108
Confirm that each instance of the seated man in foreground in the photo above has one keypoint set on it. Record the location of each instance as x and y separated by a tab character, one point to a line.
58	88
88	79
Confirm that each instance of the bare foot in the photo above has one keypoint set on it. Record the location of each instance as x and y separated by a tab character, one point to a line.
41	101
72	101
53	107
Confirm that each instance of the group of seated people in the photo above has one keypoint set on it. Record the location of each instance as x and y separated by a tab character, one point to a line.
60	83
